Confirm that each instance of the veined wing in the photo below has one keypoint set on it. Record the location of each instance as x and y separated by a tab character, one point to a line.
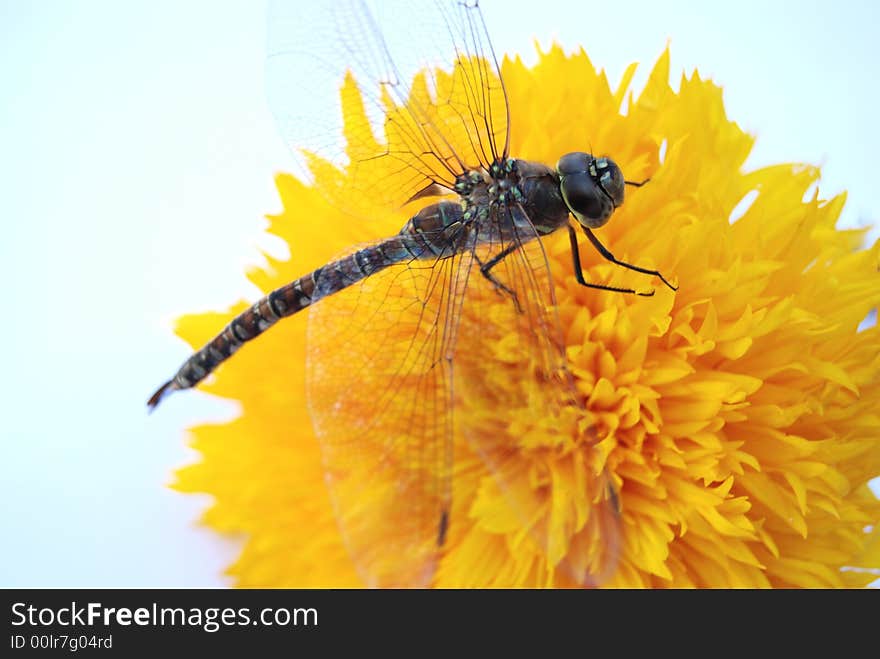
422	98
379	377
416	352
519	410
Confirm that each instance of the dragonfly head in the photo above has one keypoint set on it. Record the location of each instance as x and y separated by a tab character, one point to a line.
591	187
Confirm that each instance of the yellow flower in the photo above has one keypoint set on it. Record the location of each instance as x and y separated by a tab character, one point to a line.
738	416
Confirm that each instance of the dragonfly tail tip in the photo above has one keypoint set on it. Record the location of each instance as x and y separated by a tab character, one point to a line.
160	393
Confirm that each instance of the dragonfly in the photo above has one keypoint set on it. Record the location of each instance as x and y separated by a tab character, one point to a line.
400	329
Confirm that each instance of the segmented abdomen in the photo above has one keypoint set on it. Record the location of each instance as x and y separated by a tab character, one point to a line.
412	243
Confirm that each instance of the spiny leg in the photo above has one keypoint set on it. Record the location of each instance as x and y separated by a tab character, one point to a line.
491	263
579	274
608	255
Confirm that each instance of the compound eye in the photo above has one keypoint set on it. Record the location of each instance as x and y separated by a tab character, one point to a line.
610	178
573	163
586	201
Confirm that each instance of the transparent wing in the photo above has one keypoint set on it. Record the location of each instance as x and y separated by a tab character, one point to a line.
404	94
520	411
379	382
393	360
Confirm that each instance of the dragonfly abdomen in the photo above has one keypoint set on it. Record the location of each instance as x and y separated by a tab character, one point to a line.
294	297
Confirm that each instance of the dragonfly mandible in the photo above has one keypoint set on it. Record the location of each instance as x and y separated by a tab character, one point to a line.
393	323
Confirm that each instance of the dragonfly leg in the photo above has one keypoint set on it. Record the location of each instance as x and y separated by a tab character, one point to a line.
608	255
579	274
491	263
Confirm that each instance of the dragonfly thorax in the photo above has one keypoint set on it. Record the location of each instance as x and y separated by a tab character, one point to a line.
466	183
592	187
484	188
504	190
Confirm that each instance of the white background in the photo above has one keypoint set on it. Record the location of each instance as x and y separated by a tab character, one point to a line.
137	157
